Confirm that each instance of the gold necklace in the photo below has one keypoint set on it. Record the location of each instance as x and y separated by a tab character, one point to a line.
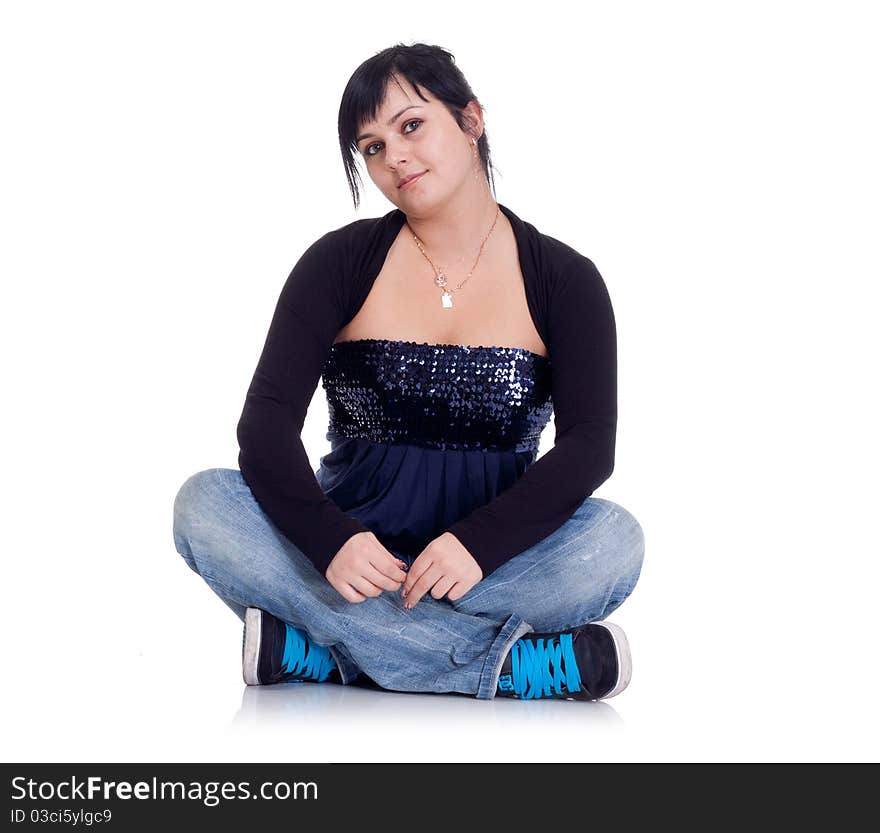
440	278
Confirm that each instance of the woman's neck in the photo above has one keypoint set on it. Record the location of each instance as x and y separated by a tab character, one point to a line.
456	230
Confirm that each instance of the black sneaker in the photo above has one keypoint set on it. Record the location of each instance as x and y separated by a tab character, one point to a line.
274	651
590	662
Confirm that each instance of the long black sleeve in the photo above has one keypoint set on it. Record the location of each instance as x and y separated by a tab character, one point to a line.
272	459
583	354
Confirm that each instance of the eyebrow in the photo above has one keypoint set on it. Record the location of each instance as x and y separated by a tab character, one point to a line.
391	121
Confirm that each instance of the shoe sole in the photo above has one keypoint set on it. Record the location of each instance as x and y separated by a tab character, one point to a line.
253	635
624	658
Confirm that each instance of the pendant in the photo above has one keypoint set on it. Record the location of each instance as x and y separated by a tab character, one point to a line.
447	300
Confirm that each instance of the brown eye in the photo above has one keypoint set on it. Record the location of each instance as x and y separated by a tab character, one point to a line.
405	124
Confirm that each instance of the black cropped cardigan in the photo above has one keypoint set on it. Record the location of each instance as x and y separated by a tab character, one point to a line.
571	309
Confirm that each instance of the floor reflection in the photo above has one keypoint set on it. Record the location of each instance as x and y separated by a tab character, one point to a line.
298	704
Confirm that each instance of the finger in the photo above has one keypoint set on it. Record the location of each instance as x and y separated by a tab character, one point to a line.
365	586
380	579
457	591
422	586
391	571
349	593
442	587
415	573
387	563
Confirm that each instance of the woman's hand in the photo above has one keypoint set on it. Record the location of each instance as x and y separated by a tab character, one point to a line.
443	567
363	567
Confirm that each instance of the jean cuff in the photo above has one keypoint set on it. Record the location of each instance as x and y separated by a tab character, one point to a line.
513	629
348	670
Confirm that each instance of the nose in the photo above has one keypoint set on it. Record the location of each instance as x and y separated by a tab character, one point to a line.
394	156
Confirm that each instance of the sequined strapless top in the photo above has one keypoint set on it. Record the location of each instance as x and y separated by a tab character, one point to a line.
437	395
421	434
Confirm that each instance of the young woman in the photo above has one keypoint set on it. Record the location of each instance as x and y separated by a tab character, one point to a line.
431	551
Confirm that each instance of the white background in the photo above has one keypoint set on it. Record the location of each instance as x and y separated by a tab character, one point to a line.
164	165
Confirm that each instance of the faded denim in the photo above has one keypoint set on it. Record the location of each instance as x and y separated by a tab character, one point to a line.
580	573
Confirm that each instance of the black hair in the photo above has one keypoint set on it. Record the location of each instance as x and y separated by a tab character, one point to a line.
423	65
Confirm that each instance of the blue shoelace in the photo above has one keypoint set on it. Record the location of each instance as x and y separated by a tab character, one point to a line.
540	670
303	658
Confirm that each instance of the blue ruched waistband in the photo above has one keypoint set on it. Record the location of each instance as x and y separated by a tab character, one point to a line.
406	494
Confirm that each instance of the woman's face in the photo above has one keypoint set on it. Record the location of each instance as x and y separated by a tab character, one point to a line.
412	136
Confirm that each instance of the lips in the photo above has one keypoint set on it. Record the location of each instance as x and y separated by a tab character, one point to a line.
411	178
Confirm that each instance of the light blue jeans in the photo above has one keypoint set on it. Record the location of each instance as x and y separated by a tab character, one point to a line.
578	574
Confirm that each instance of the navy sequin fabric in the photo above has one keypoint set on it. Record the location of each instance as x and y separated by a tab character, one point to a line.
422	434
437	395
